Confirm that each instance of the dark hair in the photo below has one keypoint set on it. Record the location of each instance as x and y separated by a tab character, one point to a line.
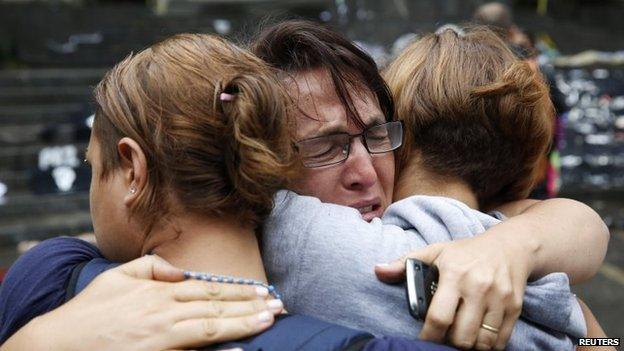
295	46
474	112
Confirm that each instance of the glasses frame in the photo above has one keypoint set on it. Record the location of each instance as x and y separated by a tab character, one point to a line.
347	146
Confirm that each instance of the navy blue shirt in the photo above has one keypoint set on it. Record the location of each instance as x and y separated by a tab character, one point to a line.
36	283
39	280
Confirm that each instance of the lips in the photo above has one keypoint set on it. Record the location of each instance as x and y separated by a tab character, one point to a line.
369	208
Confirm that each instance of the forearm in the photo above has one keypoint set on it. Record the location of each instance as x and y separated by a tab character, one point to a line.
562	235
36	335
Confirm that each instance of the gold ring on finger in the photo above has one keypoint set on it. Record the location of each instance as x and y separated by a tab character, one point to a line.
490	328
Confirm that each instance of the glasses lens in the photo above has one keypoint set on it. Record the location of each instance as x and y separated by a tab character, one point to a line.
384	137
324	151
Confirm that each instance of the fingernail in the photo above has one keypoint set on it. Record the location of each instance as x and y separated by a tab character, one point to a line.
264	317
261	291
275	305
382	264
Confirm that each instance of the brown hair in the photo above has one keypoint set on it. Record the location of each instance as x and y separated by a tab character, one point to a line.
473	111
215	157
297	46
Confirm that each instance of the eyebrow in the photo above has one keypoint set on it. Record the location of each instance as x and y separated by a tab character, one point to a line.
339	128
378	119
332	129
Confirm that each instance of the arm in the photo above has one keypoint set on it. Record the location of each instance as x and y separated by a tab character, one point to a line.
489	272
594	330
563	235
114	312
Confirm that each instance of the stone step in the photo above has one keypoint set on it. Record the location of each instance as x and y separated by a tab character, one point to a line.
16	181
21	135
50	77
25	207
43	133
43	113
26	157
44	227
46	94
33	181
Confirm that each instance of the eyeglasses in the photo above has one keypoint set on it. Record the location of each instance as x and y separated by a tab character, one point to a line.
332	149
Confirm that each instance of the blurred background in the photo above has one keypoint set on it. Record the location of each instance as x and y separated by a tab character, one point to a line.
53	52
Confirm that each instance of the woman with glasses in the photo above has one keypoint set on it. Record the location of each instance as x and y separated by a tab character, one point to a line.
322	255
302	262
190	142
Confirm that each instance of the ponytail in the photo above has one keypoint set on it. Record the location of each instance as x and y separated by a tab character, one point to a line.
255	159
212	121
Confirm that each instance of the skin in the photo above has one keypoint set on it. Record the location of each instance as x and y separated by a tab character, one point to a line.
362	180
109	199
483	278
189	313
370	176
228	313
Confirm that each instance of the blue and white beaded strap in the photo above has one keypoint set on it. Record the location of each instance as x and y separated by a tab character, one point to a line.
230	280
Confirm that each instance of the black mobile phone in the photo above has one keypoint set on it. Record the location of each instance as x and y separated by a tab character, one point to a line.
421	282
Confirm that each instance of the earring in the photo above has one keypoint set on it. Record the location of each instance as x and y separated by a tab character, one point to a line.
132	190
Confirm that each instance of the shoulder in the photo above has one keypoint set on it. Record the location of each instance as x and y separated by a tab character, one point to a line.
303	333
36	282
448	218
402	344
50	257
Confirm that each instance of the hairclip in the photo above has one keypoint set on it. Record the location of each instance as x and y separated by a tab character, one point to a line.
226	97
452	27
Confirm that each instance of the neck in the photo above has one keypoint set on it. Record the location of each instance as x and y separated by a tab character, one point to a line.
208	244
415	179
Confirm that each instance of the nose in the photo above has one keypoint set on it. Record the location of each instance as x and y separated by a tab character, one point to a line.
359	171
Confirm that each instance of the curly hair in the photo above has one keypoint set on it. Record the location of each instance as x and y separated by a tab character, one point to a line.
207	155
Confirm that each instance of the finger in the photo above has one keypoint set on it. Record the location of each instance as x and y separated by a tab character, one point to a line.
486	339
441	312
202	332
225	309
164	271
192	290
509	320
151	267
395	271
391	272
466	323
428	254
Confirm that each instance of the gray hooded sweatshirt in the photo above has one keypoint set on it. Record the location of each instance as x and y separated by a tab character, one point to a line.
322	256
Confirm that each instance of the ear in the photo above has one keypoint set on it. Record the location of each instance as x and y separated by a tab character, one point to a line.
134	168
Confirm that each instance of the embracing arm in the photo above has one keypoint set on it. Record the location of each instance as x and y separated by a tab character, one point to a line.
116	312
564	236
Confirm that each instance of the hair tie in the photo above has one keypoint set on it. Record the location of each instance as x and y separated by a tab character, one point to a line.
226	97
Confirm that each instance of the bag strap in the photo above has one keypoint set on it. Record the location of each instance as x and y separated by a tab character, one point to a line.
84	273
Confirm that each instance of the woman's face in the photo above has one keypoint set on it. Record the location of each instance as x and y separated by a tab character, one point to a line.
363	181
117	234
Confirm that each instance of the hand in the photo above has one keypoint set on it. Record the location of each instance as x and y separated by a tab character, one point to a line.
482	281
125	309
